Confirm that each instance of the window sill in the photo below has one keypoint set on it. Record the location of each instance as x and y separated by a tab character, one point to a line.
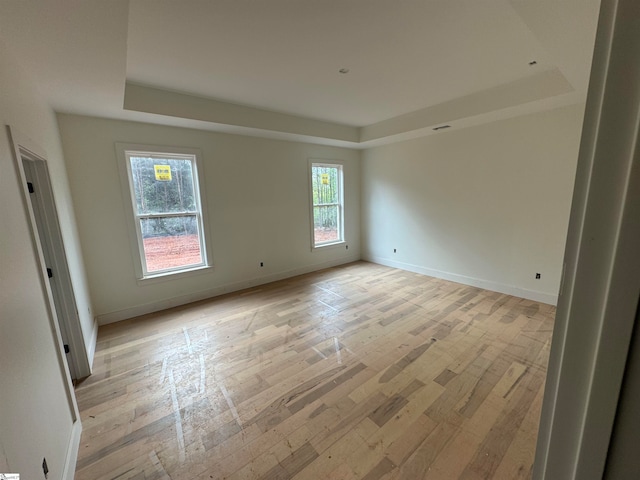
329	246
176	275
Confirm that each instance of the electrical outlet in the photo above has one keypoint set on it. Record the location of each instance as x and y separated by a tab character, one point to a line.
538	276
45	468
394	250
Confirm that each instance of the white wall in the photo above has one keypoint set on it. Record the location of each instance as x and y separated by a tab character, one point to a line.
36	409
258	206
622	459
486	205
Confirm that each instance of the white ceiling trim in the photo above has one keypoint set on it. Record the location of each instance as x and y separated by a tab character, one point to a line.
544	90
537	87
155	100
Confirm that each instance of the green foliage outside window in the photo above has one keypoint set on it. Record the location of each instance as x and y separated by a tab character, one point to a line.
154	196
327	208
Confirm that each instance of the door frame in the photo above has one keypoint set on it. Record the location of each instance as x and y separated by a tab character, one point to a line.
31	164
599	296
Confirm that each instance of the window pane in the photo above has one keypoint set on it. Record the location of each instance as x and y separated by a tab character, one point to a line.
162	185
326	223
326	187
170	242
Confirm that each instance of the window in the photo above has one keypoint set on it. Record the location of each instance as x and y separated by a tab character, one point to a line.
327	204
167	211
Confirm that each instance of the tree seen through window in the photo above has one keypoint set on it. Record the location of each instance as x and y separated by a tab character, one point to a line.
326	183
167	211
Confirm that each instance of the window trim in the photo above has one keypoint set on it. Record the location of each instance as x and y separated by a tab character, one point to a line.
123	151
314	162
138	217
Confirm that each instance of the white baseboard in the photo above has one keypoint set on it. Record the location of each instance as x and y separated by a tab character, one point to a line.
216	291
534	295
92	342
69	470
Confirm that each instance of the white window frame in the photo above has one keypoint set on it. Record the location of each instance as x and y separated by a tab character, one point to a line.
126	150
341	204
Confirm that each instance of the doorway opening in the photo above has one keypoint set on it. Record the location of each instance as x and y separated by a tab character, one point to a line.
48	242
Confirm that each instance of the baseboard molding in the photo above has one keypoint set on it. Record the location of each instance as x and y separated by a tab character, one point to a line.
219	290
91	351
69	470
534	295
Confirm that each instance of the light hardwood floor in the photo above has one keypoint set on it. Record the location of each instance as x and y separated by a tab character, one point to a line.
356	372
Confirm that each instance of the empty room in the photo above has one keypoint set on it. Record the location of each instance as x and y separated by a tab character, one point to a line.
318	240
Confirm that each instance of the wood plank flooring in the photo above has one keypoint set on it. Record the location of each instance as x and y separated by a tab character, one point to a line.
356	372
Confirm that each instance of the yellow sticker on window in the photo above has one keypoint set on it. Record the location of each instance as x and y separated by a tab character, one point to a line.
325	178
163	173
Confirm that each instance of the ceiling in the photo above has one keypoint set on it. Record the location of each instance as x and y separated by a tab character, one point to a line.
272	68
